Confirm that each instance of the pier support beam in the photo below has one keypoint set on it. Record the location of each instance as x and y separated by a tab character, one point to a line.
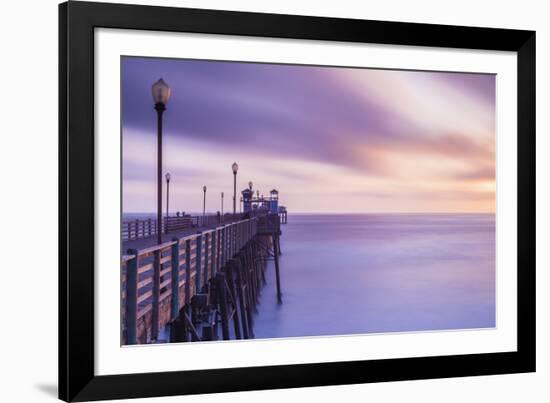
242	303
277	272
233	291
222	300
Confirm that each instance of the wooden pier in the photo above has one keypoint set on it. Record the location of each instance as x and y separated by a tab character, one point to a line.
200	286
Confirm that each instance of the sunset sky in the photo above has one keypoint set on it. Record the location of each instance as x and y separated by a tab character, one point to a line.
342	140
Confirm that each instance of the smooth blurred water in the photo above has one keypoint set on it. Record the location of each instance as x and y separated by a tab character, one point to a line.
350	274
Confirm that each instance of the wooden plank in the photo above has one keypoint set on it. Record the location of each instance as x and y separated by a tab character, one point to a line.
186	238
143	311
145	268
165	283
125	258
144	282
155	248
164	272
144	296
165	295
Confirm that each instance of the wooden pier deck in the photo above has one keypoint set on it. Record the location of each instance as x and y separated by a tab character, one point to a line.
197	280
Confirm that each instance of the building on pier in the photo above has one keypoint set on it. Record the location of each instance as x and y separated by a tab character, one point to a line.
260	203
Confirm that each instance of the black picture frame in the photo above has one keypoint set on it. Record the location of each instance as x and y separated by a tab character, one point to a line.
77	21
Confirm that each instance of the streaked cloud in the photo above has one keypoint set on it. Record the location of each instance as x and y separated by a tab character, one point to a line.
330	139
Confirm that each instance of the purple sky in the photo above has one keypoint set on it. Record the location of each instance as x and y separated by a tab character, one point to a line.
330	139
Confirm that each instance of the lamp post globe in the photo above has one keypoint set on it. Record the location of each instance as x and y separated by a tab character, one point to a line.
161	94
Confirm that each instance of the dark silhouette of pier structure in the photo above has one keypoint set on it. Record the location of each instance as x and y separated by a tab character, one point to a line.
210	276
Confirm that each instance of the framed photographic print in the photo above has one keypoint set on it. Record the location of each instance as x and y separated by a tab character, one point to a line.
255	201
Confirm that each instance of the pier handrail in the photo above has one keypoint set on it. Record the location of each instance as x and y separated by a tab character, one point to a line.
150	250
185	264
146	227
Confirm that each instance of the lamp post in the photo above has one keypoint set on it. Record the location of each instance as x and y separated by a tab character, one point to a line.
204	201
161	94
222	204
167	176
235	168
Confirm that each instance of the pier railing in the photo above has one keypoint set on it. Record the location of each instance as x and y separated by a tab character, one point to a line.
214	219
142	228
135	229
159	280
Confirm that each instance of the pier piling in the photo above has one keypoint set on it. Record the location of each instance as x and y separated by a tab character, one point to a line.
277	271
222	300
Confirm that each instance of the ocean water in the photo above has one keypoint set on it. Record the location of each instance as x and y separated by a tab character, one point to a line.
353	274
